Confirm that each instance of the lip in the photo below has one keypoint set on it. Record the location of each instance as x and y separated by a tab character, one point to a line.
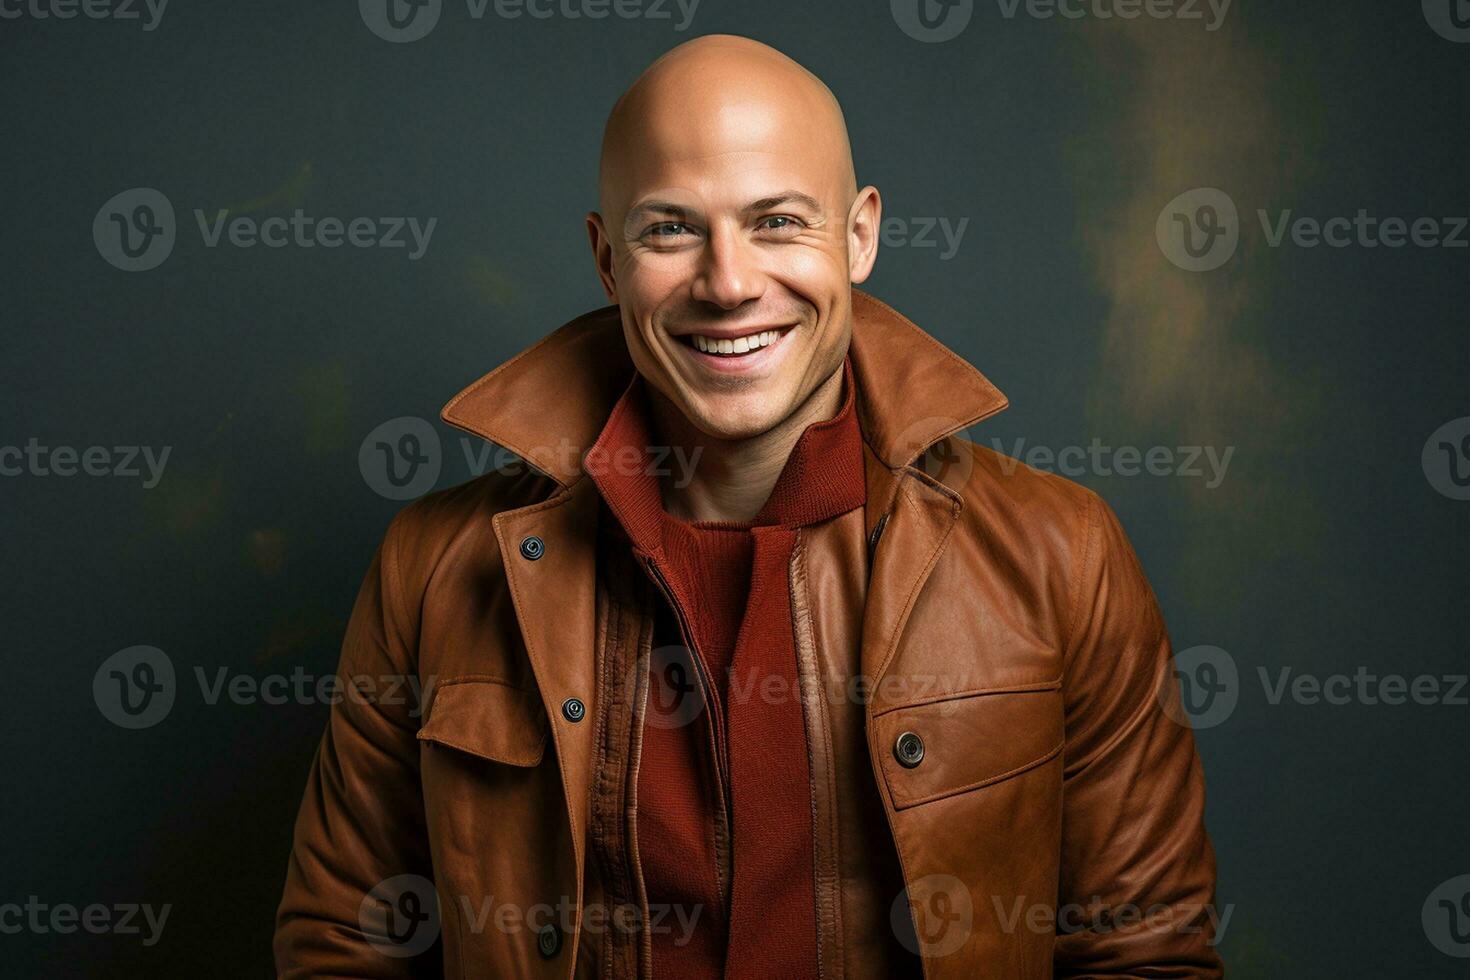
744	363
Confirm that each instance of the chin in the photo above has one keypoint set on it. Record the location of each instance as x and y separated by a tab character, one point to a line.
736	417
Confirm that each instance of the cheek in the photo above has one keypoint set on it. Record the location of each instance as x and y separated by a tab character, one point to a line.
819	272
649	278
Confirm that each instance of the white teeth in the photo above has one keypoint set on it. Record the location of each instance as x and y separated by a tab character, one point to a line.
739	345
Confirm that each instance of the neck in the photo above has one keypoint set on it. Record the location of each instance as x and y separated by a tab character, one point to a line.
733	478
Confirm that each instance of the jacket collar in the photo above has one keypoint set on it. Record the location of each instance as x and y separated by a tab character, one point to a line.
549	403
821	478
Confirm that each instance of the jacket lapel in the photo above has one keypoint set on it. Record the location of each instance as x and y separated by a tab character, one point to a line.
555	601
913	391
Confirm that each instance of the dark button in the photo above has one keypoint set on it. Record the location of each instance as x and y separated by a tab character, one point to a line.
877	533
548	941
573	709
533	547
909	750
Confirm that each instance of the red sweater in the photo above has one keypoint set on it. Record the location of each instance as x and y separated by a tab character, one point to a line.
728	582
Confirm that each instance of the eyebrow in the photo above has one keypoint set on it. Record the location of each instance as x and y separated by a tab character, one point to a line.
654	207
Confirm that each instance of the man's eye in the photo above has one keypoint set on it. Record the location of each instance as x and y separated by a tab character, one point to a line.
777	222
669	229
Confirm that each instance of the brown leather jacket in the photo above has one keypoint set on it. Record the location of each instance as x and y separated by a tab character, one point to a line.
985	676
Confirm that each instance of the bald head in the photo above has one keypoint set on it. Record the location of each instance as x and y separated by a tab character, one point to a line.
722	94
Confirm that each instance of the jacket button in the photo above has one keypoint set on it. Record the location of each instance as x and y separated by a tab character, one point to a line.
548	941
532	547
877	533
572	709
909	750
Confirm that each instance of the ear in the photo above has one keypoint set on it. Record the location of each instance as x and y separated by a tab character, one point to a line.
602	254
863	222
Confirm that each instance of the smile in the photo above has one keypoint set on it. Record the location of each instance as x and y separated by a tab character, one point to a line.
734	346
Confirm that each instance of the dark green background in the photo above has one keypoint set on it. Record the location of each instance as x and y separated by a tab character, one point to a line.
1325	548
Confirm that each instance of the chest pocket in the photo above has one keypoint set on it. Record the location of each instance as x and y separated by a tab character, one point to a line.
941	748
489	719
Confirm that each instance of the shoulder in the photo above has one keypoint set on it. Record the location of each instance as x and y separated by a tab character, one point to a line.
1057	517
456	521
1051	538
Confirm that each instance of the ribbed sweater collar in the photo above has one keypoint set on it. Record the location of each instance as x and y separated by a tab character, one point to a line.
822	478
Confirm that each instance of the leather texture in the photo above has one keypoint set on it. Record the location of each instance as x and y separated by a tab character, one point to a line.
1053	828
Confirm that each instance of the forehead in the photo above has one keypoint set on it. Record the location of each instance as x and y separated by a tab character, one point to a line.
724	148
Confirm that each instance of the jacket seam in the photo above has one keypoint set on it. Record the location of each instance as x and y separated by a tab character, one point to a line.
891	642
1091	549
821	721
1052	753
1037	687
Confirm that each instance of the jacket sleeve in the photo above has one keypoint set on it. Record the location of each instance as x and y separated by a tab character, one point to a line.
358	900
1136	893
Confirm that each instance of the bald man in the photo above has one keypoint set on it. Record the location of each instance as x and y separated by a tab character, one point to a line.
772	674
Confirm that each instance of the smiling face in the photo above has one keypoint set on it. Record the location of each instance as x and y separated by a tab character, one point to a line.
731	232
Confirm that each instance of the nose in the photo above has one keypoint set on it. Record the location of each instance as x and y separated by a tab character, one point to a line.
729	273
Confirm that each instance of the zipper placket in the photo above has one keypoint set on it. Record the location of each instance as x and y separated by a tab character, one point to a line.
708	690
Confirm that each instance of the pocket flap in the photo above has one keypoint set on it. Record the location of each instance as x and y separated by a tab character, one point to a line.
489	719
969	741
